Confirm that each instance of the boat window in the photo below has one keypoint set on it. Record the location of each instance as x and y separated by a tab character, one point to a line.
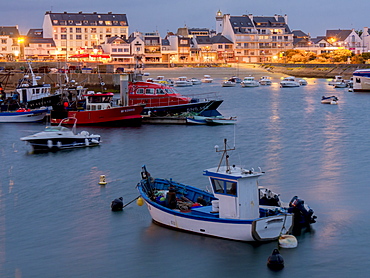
160	92
231	188
140	91
218	186
149	91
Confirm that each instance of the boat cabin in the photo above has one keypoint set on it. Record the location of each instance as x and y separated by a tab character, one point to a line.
155	94
236	190
28	92
96	101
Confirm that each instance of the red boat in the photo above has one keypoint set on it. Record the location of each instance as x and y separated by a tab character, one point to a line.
97	108
161	99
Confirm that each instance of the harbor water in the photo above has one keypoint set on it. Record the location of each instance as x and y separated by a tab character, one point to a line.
56	220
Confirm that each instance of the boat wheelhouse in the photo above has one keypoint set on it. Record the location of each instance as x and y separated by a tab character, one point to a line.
162	100
361	80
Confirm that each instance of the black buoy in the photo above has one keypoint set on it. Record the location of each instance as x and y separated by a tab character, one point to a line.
275	261
117	204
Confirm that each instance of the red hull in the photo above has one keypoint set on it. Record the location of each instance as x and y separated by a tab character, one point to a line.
105	116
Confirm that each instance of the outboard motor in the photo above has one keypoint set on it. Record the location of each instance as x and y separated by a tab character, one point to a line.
303	214
117	204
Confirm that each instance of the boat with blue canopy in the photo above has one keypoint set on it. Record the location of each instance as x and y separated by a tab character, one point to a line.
235	208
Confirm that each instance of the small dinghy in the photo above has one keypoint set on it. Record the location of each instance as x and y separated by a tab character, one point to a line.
329	100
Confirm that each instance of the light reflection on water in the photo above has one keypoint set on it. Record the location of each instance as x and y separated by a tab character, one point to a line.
56	218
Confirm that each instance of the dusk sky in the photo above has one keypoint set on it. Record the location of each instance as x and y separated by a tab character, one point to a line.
314	16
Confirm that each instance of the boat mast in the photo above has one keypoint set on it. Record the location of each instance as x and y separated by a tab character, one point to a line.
224	154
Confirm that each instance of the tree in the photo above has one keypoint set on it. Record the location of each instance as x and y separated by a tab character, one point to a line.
341	55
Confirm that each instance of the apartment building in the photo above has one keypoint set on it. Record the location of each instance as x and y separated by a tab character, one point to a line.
10	43
73	32
255	38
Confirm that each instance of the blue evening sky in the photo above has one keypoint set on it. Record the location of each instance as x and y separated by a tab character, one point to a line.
312	16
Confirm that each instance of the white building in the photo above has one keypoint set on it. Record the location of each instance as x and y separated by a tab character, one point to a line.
75	31
255	38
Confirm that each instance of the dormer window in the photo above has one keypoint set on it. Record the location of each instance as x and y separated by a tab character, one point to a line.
70	21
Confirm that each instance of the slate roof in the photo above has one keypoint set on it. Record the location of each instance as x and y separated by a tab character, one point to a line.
241	24
87	19
35	33
299	34
41	41
203	40
339	35
318	39
220	39
112	39
10	31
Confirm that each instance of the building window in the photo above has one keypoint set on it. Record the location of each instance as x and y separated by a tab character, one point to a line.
120	50
78	30
100	22
71	30
93	30
63	30
108	30
219	46
63	37
56	36
55	21
70	21
78	37
3	41
122	23
114	49
71	37
108	22
126	50
86	37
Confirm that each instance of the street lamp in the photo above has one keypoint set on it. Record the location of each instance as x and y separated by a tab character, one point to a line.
21	47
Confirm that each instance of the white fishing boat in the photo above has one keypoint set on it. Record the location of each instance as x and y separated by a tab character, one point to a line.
342	84
59	137
23	115
361	80
207	79
229	83
249	81
265	80
183	81
338	79
289	81
302	82
195	81
236	208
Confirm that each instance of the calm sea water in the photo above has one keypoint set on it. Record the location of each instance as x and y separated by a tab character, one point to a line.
56	221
